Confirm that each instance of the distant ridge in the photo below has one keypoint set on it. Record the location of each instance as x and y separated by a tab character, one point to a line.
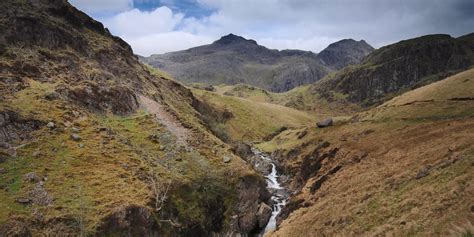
233	59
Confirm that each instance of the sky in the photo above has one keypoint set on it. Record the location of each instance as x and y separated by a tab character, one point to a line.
160	26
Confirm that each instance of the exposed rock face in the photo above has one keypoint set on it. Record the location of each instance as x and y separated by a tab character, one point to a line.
128	221
234	59
264	213
117	99
13	127
401	66
252	192
345	52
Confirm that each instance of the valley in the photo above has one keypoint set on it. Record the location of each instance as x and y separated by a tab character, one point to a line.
228	138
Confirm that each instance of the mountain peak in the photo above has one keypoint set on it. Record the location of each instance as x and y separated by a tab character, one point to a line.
231	38
345	52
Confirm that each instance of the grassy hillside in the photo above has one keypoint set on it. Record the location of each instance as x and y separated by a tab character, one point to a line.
250	119
403	168
93	143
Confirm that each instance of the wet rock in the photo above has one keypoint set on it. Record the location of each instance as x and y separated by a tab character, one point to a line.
263	214
251	191
226	159
76	137
50	125
324	123
32	177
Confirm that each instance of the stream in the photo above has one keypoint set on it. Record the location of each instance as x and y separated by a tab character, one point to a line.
279	193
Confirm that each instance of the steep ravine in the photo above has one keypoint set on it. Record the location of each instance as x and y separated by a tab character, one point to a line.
265	165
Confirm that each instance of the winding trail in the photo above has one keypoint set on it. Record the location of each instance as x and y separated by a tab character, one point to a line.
166	118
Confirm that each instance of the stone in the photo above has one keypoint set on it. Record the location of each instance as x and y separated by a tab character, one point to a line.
325	123
23	200
52	96
423	172
226	159
81	145
75	129
50	125
3	171
32	177
36	153
76	137
263	214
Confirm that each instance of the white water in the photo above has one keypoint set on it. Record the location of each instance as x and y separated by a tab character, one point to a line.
279	195
279	201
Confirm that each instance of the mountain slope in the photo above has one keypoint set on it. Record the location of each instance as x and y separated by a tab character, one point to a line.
403	168
234	59
94	143
399	67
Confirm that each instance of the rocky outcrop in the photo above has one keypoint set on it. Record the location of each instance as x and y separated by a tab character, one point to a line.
252	195
13	126
400	67
119	100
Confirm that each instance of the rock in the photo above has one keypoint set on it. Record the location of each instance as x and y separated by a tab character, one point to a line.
263	214
75	129
423	172
39	196
81	145
76	137
302	134
325	123
52	96
36	154
23	200
3	171
50	125
226	159
32	177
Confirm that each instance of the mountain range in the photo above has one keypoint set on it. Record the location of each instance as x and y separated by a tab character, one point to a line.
351	141
233	60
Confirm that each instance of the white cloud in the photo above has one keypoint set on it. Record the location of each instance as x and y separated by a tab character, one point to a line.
166	42
93	6
298	24
135	23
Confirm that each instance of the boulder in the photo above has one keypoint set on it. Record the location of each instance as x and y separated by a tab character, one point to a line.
23	200
50	125
263	214
325	123
76	137
32	177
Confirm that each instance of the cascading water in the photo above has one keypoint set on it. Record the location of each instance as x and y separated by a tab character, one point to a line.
279	194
